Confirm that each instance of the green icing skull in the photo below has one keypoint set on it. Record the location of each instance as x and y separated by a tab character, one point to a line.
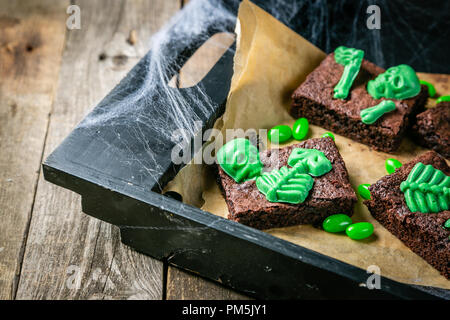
240	160
398	82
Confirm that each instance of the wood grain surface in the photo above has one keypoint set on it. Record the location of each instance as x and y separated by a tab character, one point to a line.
31	43
50	78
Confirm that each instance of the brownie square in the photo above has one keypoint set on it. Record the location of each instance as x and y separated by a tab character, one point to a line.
432	129
314	101
423	233
331	192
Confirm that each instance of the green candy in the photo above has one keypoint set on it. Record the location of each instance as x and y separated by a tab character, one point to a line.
431	89
392	164
240	160
372	114
399	82
328	135
360	230
363	190
442	99
447	224
336	223
280	134
300	129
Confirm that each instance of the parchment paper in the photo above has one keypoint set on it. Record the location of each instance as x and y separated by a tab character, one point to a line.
270	62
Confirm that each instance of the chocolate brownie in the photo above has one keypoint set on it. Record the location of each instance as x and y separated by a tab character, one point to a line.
331	192
423	233
314	101
432	129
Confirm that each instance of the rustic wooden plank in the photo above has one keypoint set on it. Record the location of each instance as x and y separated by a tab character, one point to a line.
31	44
182	285
69	255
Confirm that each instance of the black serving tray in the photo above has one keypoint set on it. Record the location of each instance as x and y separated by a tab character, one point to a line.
94	161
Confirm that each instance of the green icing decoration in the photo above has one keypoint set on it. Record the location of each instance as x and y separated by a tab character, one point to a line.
372	114
426	189
442	99
351	59
285	185
431	89
240	160
447	224
311	161
399	82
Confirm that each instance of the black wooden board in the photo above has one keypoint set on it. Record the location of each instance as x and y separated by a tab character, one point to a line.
94	161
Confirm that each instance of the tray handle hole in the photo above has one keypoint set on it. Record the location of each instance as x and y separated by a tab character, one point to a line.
203	60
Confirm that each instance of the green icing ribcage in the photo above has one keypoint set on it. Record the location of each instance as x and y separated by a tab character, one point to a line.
285	185
426	189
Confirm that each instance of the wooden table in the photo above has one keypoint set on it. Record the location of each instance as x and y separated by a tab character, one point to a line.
50	78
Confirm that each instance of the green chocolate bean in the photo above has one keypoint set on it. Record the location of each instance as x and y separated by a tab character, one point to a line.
363	190
360	230
442	99
447	224
336	223
392	164
300	129
431	89
328	135
280	134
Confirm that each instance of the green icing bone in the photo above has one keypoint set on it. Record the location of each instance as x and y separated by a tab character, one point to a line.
372	114
426	189
351	59
285	185
311	161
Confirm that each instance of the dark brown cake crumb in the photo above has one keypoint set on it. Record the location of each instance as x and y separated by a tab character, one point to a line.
313	99
422	233
432	129
331	193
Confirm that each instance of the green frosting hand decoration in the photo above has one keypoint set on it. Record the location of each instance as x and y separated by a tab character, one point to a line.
372	114
285	185
426	189
351	59
240	160
311	161
398	82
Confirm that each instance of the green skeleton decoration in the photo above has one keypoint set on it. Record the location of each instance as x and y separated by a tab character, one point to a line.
426	189
285	185
372	114
351	59
292	185
310	161
240	160
398	82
